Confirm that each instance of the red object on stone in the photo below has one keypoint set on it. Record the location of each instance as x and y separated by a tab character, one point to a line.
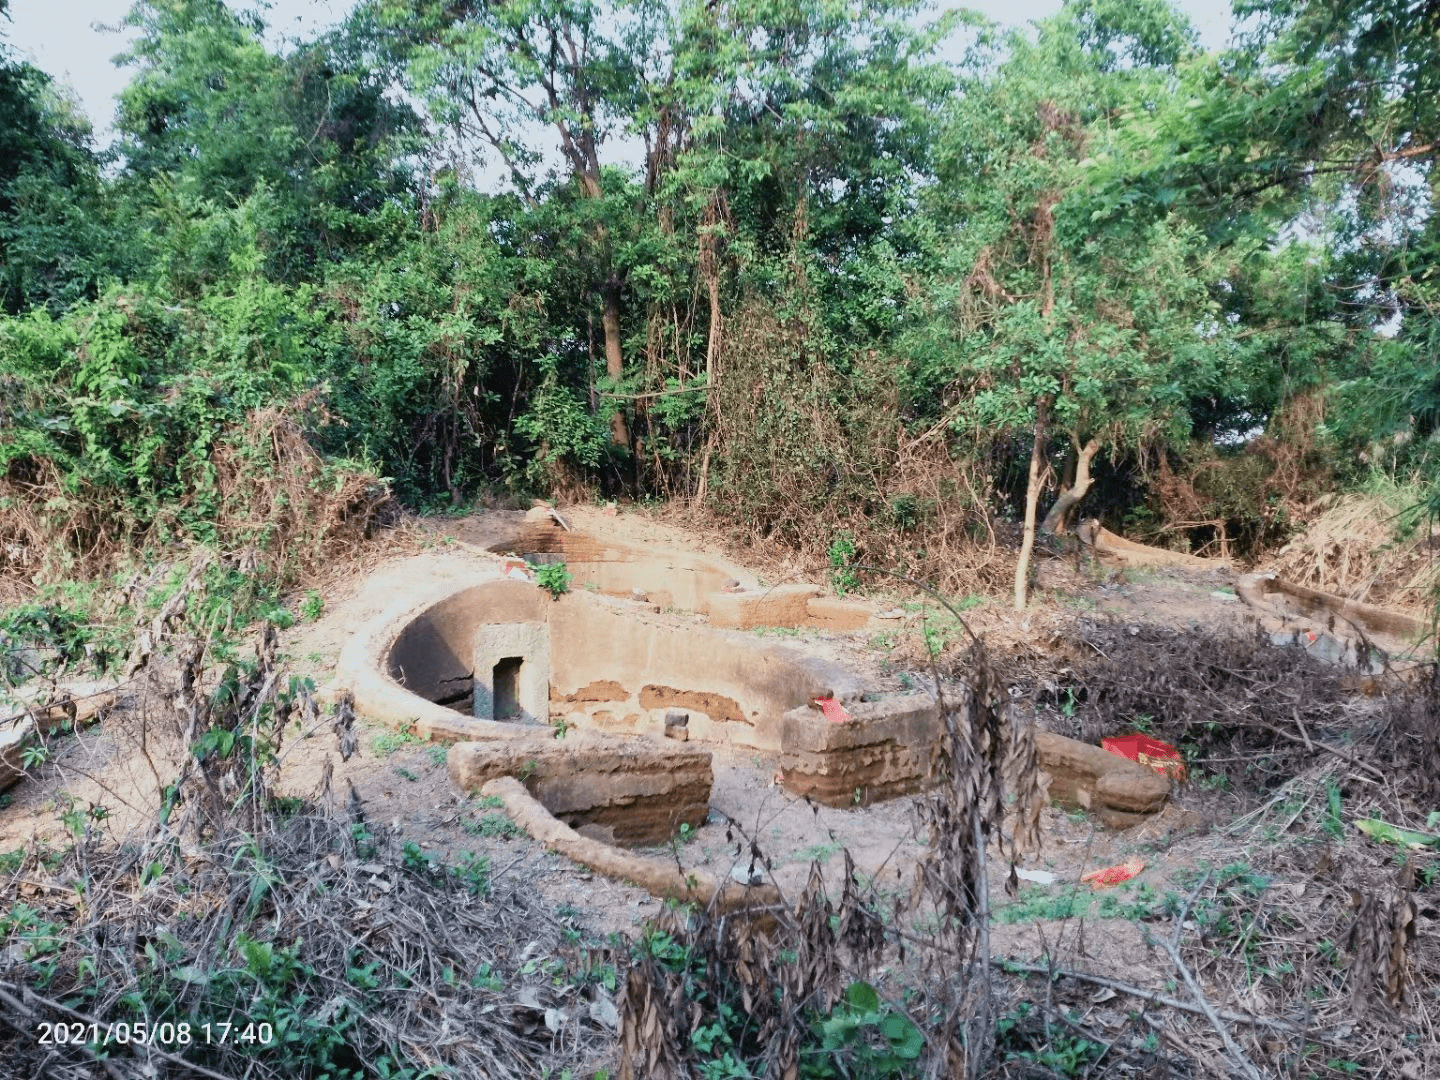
1162	757
833	710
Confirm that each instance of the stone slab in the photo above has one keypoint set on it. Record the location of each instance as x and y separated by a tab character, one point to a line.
633	792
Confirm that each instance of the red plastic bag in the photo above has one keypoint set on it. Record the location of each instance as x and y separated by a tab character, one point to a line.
833	710
1162	757
1113	875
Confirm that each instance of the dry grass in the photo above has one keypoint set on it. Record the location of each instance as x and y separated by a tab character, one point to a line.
227	906
1357	548
353	953
272	501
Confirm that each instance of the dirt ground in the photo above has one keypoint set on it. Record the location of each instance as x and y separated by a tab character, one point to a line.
404	786
1263	834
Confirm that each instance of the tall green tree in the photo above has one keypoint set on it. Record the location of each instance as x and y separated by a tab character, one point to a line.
56	243
213	117
503	73
1052	318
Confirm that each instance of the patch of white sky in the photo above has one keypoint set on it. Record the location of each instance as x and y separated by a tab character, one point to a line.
76	41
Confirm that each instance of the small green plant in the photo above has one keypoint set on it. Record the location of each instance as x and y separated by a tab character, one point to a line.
821	853
485	979
312	606
776	631
473	871
876	1040
1334	823
366	846
34	755
842	556
935	640
491	825
1035	904
287	805
562	726
554	578
438	753
1022	1036
406	773
387	742
413	857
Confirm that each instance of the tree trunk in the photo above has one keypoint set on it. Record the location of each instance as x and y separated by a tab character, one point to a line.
1055	520
1032	502
710	271
614	358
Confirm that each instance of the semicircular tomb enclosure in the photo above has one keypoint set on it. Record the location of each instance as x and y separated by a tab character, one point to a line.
644	689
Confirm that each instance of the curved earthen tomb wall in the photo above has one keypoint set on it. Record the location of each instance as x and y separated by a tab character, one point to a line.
608	664
493	662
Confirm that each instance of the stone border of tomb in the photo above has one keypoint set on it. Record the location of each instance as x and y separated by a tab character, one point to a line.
646	693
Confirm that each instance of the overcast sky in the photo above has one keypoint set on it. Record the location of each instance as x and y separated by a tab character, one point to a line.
75	40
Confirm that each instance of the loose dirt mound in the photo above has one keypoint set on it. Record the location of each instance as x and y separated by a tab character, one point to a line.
1367	548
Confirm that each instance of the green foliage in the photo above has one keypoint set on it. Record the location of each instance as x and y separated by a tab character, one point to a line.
386	743
312	606
492	825
554	578
842	555
44	639
1022	1037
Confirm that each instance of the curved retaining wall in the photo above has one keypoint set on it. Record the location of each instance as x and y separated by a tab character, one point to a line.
608	663
513	657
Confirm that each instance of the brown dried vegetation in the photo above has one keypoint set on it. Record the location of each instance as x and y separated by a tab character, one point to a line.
295	928
270	497
811	454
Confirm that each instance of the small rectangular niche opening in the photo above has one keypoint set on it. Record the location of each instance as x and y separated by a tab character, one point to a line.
507	687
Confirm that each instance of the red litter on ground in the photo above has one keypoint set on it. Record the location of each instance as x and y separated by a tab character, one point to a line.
1113	875
1162	757
833	710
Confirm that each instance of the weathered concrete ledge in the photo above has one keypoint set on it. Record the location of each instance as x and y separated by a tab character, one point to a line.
662	877
1345	620
786	605
601	662
1118	791
619	791
620	668
886	749
1106	543
612	665
669	578
365	667
728	593
890	747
